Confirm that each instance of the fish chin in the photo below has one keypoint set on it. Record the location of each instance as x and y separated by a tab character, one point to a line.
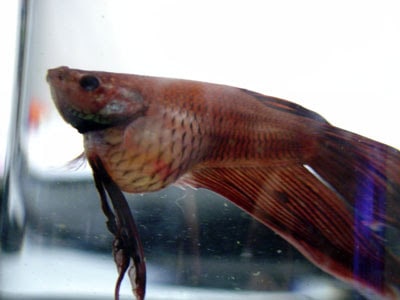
85	122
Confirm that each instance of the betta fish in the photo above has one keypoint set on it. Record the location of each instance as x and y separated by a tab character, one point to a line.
330	193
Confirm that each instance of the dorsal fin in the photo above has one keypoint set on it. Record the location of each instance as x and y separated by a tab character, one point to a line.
285	106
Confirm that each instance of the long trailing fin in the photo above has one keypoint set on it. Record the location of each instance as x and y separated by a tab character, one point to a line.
127	244
366	173
300	207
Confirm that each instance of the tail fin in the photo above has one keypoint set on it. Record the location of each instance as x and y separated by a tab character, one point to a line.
364	172
367	176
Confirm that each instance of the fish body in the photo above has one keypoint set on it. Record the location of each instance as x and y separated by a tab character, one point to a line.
318	186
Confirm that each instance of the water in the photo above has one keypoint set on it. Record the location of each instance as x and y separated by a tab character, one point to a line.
54	240
196	244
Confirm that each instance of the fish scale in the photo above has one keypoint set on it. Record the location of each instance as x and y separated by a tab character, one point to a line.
317	186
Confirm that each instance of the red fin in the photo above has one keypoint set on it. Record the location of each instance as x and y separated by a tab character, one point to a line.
363	171
127	246
286	106
310	215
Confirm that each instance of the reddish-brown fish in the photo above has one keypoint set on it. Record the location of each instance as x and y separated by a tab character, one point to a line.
329	192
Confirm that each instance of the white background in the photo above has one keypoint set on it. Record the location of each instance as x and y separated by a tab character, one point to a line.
338	58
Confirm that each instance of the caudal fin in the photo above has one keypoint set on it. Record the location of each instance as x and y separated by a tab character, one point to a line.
336	208
364	172
367	176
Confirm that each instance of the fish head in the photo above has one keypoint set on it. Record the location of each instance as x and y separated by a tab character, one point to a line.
91	101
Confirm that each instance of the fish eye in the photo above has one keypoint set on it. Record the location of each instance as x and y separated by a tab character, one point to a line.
89	83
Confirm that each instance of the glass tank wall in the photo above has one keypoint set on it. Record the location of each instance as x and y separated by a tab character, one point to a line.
198	245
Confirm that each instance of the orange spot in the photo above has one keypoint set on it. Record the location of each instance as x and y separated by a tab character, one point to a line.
37	110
